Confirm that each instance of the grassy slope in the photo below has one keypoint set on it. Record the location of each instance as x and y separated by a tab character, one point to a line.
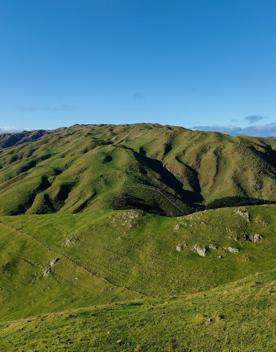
89	278
158	168
236	317
122	255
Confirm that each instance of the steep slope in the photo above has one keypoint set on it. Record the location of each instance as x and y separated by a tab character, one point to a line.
161	169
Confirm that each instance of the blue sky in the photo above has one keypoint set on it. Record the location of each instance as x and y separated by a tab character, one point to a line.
191	63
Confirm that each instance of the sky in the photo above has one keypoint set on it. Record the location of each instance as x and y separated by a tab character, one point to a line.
208	64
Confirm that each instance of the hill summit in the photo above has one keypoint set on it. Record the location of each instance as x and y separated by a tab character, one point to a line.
161	169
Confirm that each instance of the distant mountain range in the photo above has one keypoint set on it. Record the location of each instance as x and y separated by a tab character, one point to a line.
267	130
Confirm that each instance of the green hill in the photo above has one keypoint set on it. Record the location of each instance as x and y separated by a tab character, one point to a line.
162	169
137	238
153	265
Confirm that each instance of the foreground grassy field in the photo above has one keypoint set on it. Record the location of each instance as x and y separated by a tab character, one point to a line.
131	281
235	317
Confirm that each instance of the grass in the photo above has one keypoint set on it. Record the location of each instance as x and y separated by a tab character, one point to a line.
235	317
162	169
122	255
103	234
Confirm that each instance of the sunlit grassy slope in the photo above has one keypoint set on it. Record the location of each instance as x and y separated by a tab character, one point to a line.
161	169
55	262
235	317
89	262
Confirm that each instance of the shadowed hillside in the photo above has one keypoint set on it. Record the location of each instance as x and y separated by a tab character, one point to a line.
161	169
11	139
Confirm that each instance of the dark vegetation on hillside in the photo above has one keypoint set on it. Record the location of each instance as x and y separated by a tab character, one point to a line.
160	169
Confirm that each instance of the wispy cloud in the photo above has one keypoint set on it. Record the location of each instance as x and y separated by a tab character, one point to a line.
62	107
254	118
9	130
26	108
51	108
267	130
138	95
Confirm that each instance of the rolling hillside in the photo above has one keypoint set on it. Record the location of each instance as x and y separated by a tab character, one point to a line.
236	317
179	272
161	169
53	261
137	238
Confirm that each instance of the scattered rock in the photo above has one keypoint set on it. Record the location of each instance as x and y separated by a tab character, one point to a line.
50	266
243	213
256	238
253	238
201	251
127	218
53	262
132	215
212	247
177	227
233	250
119	342
47	271
220	256
181	246
70	241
